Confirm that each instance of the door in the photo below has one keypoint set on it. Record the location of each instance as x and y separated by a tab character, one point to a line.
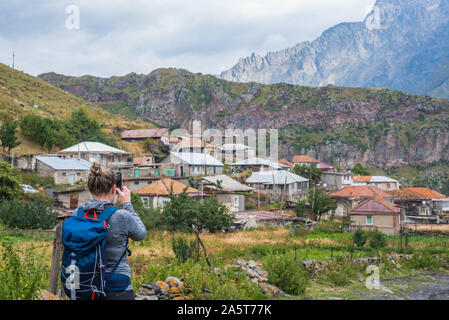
72	178
181	171
73	201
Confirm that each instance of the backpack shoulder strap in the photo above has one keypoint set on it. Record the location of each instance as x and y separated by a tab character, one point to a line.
106	214
80	212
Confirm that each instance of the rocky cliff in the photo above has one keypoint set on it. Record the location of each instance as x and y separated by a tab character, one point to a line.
401	45
377	127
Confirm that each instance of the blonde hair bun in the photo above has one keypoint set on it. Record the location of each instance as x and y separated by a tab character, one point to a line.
96	168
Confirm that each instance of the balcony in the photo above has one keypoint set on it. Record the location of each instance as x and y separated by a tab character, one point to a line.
122	164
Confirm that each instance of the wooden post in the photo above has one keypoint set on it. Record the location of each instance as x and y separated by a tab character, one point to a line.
56	258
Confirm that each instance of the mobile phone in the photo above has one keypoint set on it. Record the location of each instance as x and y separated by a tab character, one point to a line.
118	180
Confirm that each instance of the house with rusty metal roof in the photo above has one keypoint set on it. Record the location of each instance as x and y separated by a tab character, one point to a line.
158	192
420	202
377	213
349	197
140	135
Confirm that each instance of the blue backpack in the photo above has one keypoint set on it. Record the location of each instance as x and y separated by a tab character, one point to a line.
83	273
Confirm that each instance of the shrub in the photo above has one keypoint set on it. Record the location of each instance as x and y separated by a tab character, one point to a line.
377	239
34	214
360	237
20	277
204	283
184	249
286	273
424	261
35	180
340	271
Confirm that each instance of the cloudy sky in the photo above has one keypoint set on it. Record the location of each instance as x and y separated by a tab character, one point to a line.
116	37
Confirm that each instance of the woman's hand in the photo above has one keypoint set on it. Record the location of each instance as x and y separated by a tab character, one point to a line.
124	195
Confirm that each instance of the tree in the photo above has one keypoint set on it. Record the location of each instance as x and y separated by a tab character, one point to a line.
184	213
9	181
320	202
359	170
309	172
8	135
300	207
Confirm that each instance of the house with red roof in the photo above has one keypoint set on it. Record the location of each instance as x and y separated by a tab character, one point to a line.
421	202
305	160
349	197
377	213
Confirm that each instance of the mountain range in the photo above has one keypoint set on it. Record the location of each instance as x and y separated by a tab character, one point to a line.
344	126
401	45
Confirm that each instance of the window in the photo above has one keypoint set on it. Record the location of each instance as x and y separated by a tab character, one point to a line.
369	220
64	174
388	186
78	174
236	201
146	202
136	182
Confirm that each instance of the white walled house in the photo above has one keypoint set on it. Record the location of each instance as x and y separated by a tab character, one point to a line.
273	182
96	151
194	164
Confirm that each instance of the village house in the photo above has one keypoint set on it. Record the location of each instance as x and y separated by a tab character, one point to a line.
64	171
143	161
382	182
441	206
325	167
419	202
141	135
194	164
107	156
255	219
137	183
193	145
73	198
349	197
286	164
256	164
227	190
305	160
232	152
155	194
279	184
333	181
377	213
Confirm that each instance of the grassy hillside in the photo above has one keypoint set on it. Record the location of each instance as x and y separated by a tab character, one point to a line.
25	94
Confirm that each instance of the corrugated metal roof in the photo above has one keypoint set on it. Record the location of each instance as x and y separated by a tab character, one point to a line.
144	133
65	164
164	186
257	162
361	191
234	146
304	159
227	183
275	177
197	159
89	146
382	179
